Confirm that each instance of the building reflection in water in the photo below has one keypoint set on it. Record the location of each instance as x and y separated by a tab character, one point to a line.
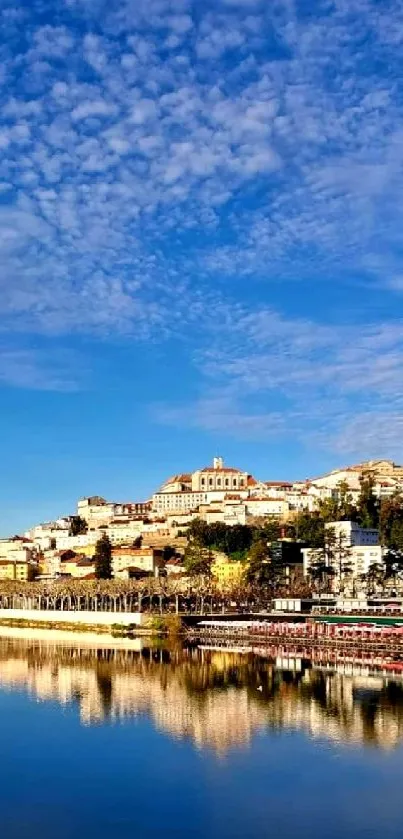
217	698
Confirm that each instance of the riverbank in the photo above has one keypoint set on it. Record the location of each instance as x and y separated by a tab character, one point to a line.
112	624
87	637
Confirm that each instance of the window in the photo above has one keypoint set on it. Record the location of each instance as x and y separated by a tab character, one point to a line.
210	482
226	482
218	482
203	481
234	482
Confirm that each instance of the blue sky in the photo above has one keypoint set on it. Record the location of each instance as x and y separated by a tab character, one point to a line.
200	242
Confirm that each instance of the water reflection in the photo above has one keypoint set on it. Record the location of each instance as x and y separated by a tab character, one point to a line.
217	697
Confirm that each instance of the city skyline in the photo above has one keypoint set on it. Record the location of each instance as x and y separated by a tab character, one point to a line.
200	242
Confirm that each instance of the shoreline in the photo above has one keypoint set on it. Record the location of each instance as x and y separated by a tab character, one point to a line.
87	636
73	629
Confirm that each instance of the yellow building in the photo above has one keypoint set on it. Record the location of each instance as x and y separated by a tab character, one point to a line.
77	567
87	550
16	570
228	573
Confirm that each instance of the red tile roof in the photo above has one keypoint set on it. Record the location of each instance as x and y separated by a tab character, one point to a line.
183	478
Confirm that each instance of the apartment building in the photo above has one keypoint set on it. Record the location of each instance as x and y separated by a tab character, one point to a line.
128	561
353	546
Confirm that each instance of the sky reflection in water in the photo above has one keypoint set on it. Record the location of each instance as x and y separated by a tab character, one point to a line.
135	743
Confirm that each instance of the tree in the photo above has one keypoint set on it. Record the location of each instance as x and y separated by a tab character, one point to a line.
393	563
260	568
391	522
320	571
103	558
345	502
368	503
270	530
339	507
338	555
78	525
310	528
197	558
374	577
324	561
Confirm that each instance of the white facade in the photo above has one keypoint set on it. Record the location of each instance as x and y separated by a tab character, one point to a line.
95	511
219	478
124	532
17	549
359	557
167	502
359	547
351	476
74	543
257	506
301	499
229	514
352	534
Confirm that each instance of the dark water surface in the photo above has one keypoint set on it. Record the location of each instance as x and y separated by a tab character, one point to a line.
133	743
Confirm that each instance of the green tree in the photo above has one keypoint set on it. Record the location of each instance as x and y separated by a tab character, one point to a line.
391	523
338	555
270	530
368	503
310	528
78	525
197	558
393	563
345	502
260	568
234	540
374	577
320	571
324	563
103	558
199	530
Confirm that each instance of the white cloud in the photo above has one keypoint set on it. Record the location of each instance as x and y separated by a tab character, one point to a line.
34	369
153	151
96	108
338	387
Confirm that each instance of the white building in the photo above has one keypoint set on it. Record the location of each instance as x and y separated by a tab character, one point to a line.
352	534
17	549
219	478
165	502
74	543
260	506
185	492
124	532
354	546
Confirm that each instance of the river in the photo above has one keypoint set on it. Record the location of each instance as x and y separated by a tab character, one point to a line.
133	742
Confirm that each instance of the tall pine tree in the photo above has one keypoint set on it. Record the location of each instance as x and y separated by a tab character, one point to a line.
103	558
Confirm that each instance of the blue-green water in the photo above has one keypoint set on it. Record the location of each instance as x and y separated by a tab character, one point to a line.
127	744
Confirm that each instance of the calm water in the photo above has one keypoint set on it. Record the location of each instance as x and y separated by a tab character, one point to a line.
121	743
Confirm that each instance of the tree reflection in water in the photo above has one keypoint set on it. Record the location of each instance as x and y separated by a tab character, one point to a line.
218	698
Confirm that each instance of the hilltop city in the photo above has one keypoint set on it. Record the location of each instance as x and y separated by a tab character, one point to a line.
346	525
